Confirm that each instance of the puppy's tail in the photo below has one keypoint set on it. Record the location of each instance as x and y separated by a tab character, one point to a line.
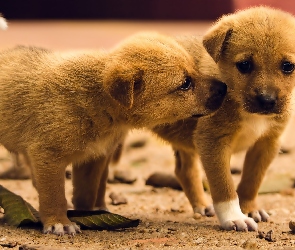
3	23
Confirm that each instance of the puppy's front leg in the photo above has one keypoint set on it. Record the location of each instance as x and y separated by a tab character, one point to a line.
89	182
188	172
50	184
215	156
257	160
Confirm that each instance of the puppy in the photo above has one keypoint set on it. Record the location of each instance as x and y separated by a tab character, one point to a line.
256	59
62	108
180	134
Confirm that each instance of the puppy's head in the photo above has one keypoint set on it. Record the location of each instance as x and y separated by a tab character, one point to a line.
255	52
154	78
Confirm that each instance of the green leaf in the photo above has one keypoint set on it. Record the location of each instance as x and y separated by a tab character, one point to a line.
18	212
100	220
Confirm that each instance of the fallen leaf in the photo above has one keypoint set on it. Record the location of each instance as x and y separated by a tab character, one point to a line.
100	220
18	212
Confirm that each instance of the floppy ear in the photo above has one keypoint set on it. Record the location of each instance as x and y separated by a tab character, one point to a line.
216	40
119	82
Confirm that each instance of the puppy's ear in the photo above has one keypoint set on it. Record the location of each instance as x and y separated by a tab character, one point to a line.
120	83
216	40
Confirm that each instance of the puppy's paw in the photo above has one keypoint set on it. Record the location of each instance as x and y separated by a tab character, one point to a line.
231	217
259	215
101	208
204	211
244	224
60	229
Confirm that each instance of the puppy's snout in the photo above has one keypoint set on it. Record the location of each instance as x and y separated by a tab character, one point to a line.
266	101
218	91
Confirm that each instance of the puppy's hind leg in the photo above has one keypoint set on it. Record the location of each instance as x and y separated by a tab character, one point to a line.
89	182
257	160
100	203
189	175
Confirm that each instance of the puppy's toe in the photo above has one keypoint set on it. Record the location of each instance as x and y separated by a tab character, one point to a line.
229	225
60	229
102	208
264	215
204	211
245	225
209	211
251	224
259	215
72	229
47	229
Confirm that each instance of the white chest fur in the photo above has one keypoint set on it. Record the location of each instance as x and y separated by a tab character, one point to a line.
252	127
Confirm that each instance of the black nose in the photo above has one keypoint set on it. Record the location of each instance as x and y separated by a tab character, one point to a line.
217	93
266	101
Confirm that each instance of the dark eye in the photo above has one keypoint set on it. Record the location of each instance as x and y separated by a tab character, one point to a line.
187	84
287	67
244	67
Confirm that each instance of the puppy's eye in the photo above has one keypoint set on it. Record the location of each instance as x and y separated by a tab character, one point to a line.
244	67
187	84
287	67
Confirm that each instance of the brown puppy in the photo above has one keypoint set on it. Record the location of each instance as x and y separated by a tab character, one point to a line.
179	134
62	108
256	58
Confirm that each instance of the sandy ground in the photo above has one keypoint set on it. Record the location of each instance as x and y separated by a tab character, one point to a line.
165	214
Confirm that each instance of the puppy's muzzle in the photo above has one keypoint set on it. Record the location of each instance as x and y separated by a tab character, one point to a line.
218	91
264	102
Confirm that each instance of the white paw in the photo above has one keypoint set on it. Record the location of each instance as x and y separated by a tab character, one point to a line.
243	224
60	229
231	217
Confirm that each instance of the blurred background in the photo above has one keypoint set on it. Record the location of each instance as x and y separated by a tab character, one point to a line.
72	24
131	9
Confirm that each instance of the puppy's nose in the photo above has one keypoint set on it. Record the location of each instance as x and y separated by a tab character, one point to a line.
218	91
266	101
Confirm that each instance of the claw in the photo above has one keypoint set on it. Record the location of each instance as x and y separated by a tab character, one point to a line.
60	229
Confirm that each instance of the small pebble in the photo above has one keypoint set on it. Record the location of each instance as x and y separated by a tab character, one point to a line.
123	176
117	199
249	244
197	216
292	225
163	180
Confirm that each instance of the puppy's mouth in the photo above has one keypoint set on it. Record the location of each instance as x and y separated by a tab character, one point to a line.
196	116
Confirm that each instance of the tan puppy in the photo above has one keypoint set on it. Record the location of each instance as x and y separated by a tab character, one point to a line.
62	108
256	58
179	134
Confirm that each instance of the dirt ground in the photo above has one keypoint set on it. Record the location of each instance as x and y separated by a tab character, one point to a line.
166	216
